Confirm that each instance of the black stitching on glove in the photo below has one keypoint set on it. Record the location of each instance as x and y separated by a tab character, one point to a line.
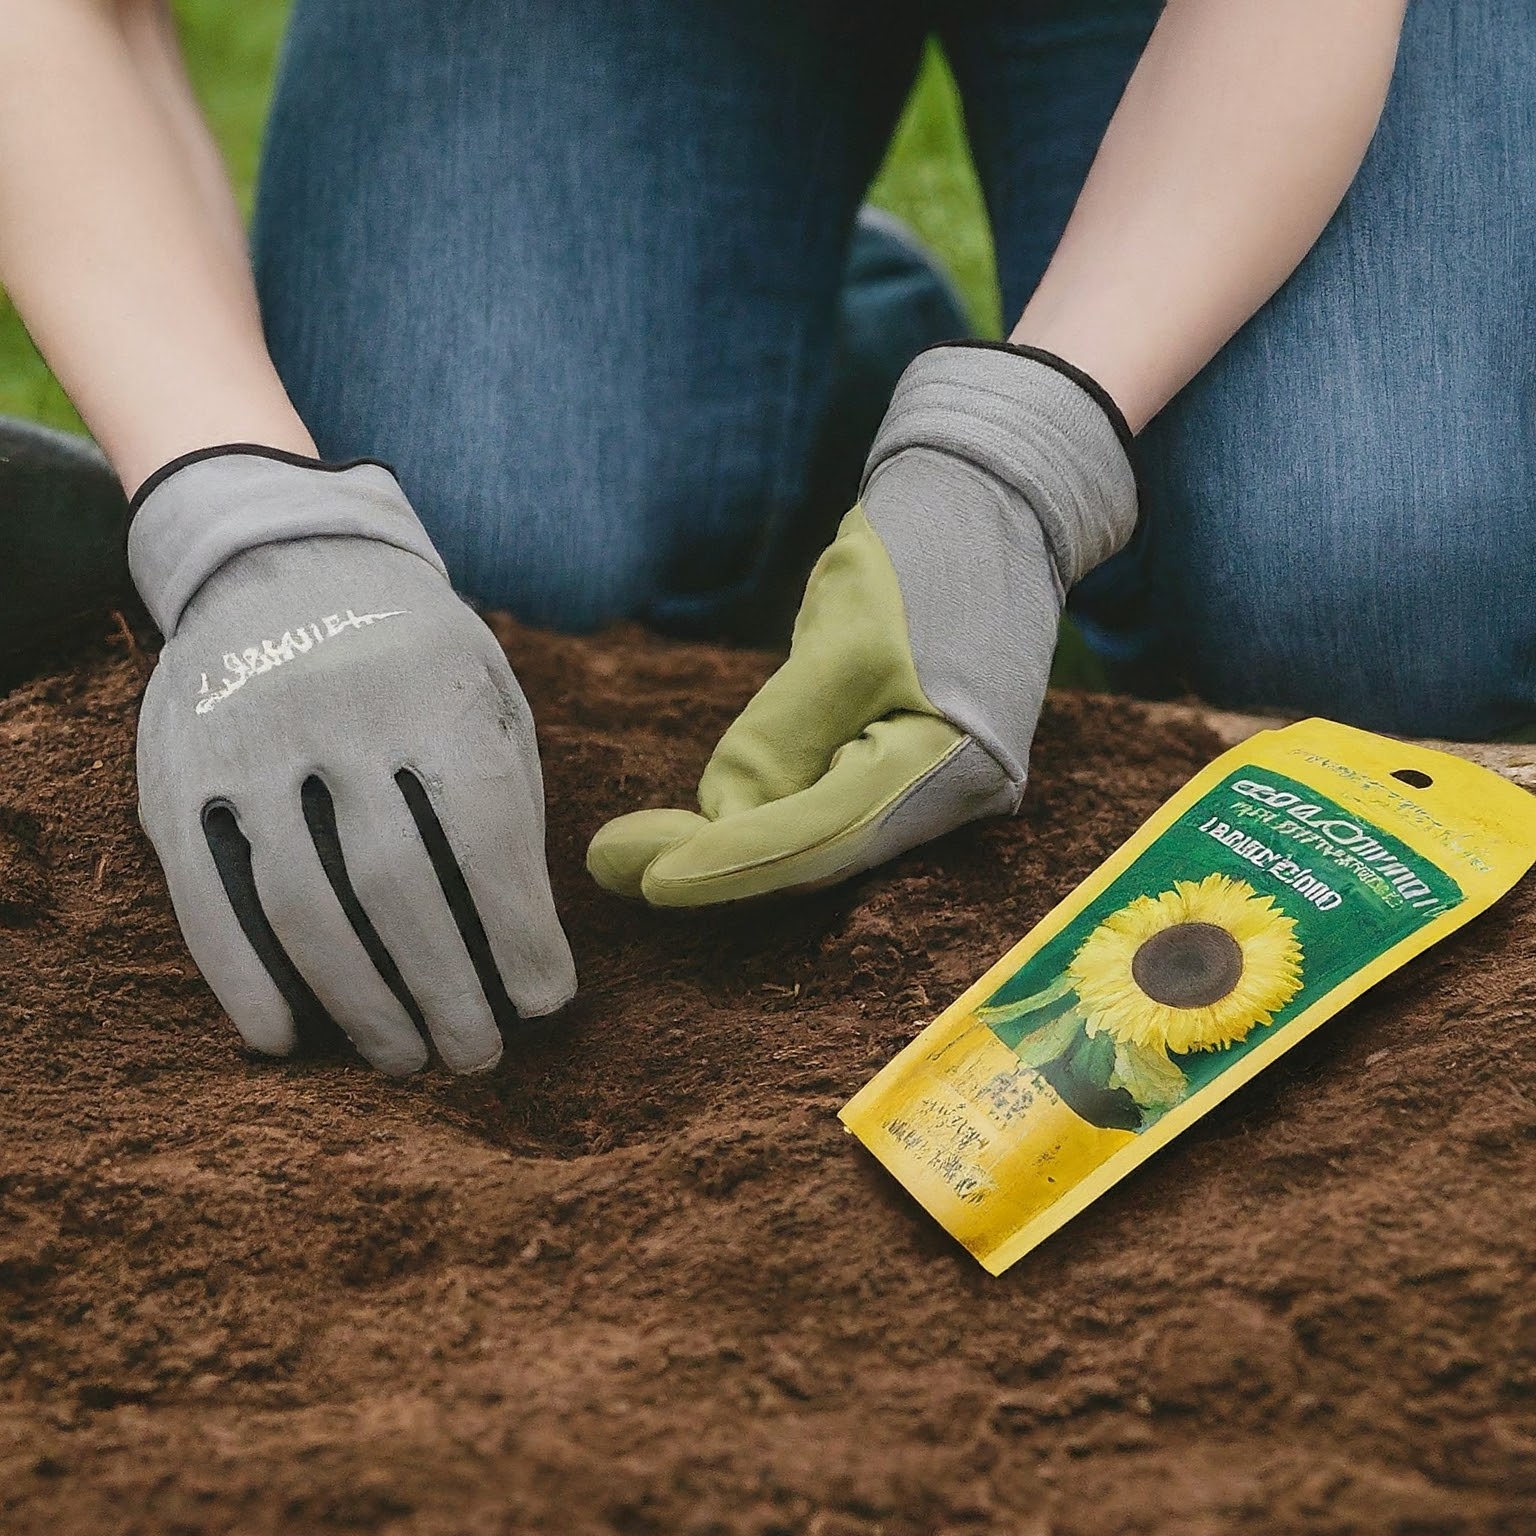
317	1031
456	892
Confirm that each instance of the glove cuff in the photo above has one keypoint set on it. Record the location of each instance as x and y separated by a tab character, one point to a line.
200	511
1036	423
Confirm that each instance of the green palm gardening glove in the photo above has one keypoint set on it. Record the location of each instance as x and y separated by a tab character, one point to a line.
922	649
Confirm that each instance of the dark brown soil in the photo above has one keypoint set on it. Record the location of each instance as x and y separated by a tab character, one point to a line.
640	1281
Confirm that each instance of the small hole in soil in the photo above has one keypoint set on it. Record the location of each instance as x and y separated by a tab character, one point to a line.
1413	777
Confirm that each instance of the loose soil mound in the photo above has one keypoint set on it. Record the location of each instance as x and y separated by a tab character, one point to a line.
640	1281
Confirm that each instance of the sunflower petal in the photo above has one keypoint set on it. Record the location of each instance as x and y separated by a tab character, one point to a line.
1148	1076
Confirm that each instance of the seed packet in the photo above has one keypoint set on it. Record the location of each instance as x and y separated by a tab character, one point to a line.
1283	880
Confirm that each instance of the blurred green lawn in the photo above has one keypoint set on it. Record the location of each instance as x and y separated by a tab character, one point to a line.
231	48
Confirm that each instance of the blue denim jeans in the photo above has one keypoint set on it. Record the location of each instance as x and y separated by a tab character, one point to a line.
580	271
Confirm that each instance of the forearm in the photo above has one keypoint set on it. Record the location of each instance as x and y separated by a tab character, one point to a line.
119	243
150	30
1240	132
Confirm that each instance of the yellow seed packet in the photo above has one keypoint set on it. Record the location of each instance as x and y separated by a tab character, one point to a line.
1294	872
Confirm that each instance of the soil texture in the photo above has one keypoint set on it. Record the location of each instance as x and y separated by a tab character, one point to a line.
639	1282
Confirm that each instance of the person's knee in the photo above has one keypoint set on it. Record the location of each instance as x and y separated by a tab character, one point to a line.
573	499
1356	590
544	542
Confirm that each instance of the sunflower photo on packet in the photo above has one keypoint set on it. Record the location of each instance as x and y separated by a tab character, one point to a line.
1287	877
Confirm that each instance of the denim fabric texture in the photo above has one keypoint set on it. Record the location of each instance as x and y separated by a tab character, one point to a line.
593	279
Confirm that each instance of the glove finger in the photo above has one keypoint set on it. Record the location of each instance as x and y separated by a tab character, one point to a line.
306	914
625	847
393	879
483	824
225	948
903	781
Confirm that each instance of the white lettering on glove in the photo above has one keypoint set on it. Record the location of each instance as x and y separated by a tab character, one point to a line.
242	666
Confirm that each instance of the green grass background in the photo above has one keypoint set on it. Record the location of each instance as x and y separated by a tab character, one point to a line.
231	50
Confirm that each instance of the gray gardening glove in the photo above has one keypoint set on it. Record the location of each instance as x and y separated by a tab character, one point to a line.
337	767
923	646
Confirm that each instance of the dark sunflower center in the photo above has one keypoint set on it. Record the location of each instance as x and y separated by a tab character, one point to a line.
1190	965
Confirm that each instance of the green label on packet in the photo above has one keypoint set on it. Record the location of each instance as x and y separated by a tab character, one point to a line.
1159	985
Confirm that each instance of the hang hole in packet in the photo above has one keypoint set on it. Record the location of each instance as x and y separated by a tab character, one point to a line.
1280	883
